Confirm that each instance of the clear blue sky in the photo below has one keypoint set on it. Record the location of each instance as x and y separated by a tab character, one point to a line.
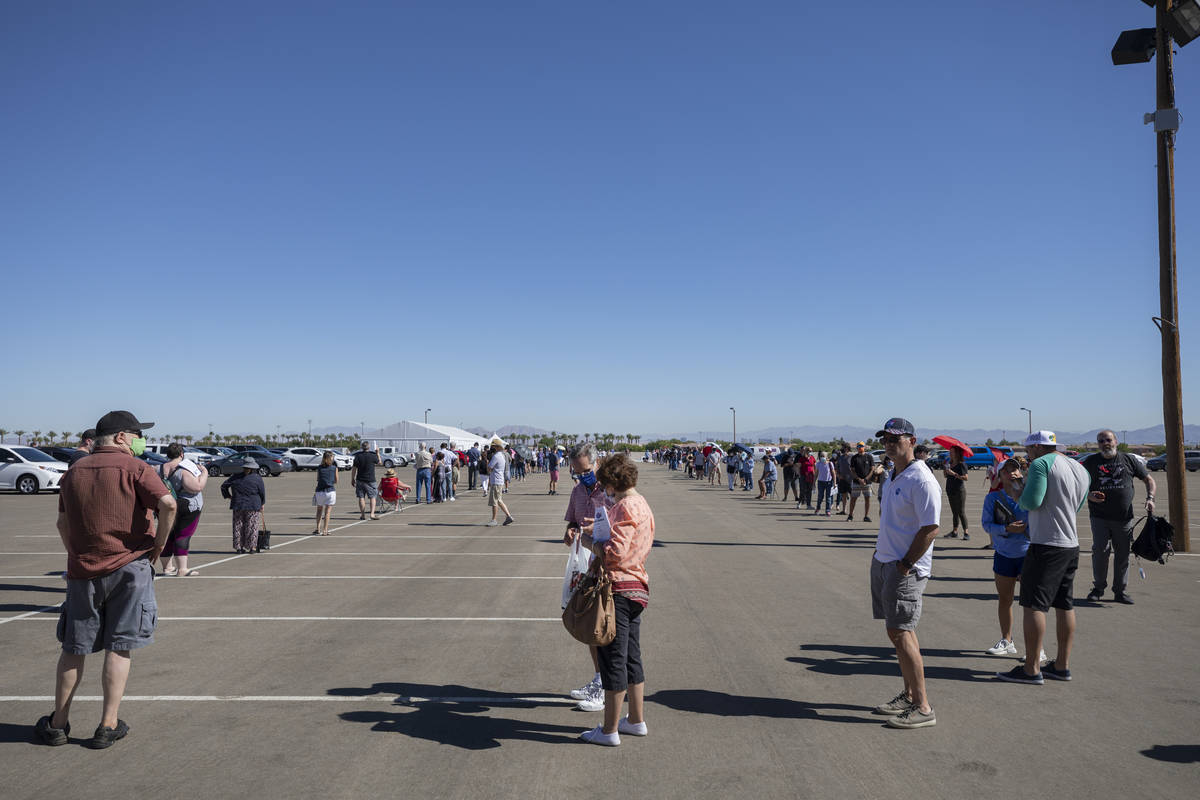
584	216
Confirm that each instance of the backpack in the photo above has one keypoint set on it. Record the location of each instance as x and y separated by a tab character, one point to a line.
1154	543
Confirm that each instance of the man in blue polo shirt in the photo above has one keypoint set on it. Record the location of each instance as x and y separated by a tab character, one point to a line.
910	509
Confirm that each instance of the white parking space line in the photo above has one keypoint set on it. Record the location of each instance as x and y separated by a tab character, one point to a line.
160	576
30	617
303	536
332	578
391	699
318	553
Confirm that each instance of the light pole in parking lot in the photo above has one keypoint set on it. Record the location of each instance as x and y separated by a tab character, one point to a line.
1030	413
362	430
427	415
734	410
310	431
1177	20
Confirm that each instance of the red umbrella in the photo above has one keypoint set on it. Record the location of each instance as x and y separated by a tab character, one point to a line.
950	443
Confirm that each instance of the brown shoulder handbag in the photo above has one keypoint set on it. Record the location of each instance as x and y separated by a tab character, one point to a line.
590	616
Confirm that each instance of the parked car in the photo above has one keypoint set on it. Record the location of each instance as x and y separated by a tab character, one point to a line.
310	458
1191	461
392	457
155	460
260	453
197	455
877	456
63	454
232	465
938	459
216	452
982	457
29	470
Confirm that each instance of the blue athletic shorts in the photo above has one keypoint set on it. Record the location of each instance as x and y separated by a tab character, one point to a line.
1008	567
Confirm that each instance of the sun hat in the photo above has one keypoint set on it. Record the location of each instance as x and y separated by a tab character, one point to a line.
391	473
249	463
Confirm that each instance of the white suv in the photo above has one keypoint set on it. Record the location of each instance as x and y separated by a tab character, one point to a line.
310	458
29	470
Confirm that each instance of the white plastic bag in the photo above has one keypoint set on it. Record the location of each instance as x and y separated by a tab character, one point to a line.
578	561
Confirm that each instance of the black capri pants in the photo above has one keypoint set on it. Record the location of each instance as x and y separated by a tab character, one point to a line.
621	659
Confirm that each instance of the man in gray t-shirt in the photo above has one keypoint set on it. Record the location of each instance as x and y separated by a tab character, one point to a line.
1055	489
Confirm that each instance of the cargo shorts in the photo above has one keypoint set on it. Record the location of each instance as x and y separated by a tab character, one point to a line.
117	611
896	598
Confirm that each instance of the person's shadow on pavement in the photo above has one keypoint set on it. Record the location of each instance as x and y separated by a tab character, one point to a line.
706	701
870	660
455	715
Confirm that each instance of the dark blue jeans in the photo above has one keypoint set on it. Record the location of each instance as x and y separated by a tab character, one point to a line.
423	478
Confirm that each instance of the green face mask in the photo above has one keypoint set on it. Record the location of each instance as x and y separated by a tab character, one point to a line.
137	445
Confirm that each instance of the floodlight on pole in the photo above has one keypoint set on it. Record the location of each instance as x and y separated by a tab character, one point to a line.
734	410
427	415
1030	413
1183	21
1134	47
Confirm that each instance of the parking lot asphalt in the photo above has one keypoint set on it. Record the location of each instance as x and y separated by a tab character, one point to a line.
422	655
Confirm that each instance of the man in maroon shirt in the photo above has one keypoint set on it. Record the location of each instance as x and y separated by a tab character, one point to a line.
106	507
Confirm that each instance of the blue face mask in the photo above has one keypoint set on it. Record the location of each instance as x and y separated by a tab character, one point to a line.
588	478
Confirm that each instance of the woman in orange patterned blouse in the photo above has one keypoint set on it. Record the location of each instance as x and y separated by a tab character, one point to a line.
623	557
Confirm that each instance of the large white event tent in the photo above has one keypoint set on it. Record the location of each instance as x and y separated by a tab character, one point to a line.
407	434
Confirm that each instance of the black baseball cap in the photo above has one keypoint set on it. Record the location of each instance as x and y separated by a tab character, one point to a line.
90	433
897	426
117	421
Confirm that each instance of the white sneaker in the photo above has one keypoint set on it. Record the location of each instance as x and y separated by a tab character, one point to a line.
594	701
492	524
597	736
587	690
1042	659
1004	647
625	726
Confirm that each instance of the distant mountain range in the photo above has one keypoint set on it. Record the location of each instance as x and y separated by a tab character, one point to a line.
817	433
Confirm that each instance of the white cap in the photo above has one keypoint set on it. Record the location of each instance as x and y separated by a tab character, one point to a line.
1042	438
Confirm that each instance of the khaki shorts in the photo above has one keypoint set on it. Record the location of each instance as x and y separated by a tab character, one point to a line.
115	612
896	598
494	493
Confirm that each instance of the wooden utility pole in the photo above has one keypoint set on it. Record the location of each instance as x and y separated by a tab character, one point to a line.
1168	321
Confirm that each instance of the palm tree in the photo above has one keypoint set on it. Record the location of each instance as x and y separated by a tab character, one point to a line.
3	433
188	438
19	435
51	436
67	437
37	437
